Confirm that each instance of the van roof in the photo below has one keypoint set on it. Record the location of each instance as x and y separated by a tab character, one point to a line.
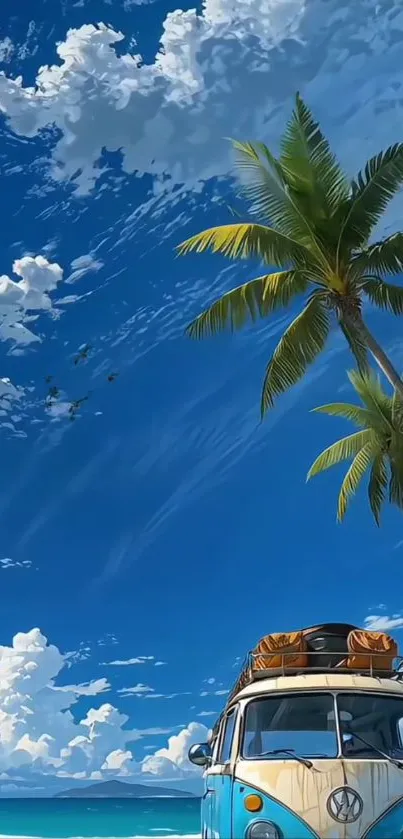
314	681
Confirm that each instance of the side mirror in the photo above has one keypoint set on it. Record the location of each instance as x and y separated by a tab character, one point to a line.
200	754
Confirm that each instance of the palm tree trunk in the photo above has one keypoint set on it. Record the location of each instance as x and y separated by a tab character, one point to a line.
380	356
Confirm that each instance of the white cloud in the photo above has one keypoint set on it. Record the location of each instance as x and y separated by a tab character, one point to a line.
29	294
6	50
118	662
380	623
136	690
207	714
172	761
167	695
40	736
170	116
92	688
12	563
82	265
38	732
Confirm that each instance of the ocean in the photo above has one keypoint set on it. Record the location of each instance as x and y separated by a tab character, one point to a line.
103	818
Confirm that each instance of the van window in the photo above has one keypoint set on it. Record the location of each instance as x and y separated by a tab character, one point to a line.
375	718
224	752
301	724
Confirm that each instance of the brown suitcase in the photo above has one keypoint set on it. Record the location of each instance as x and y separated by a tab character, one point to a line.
281	649
370	651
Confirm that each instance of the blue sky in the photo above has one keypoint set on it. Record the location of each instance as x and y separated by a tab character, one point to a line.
165	512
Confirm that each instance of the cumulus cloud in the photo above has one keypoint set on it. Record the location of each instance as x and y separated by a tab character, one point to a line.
38	732
172	761
29	294
40	735
383	622
169	117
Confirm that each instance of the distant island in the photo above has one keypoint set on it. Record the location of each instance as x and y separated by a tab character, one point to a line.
119	789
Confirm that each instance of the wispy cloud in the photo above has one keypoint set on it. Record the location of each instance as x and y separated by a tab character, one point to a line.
7	562
383	622
127	662
136	690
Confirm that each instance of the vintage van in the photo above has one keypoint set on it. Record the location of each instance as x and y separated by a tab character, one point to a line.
310	743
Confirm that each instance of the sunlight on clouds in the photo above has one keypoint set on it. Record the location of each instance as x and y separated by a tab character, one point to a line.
169	117
172	761
36	723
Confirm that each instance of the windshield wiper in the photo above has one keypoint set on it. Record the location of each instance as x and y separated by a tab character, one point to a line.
373	748
290	753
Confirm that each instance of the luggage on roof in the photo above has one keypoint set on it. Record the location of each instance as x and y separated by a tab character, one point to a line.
280	649
318	648
370	650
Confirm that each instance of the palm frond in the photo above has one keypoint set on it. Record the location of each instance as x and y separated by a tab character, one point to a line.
300	345
265	186
359	416
244	241
384	257
354	476
343	449
308	161
357	346
371	193
396	478
250	301
384	295
374	398
397	413
377	486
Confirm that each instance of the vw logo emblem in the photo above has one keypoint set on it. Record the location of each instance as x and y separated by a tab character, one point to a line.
344	805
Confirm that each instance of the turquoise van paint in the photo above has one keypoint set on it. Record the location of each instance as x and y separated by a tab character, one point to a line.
217	807
290	825
389	826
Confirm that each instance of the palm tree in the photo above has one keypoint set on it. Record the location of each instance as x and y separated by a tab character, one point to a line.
315	226
378	445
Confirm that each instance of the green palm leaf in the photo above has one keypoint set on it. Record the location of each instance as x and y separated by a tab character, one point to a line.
384	295
374	398
384	257
248	302
358	348
301	343
354	476
396	477
243	241
372	191
377	486
265	186
397	413
359	416
308	161
343	449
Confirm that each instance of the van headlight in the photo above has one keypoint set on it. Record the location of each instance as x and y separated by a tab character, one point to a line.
263	830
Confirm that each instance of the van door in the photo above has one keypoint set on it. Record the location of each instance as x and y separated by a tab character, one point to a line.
219	780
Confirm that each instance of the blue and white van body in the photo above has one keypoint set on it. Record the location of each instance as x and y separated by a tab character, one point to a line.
306	756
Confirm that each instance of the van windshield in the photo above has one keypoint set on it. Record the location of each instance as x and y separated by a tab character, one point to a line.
304	724
375	718
301	723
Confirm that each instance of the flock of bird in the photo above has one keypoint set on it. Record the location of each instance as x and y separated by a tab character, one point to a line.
54	392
